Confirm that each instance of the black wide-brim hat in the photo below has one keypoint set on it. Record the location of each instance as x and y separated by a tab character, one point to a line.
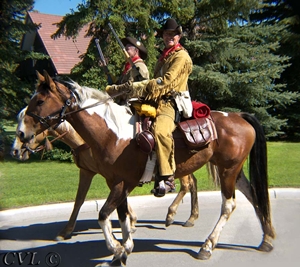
170	25
137	44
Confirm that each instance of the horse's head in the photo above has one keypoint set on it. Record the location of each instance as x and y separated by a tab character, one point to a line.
20	150
46	107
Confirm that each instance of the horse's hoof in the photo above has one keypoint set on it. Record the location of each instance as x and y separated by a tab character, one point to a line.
59	238
169	222
204	254
118	262
133	230
188	224
265	247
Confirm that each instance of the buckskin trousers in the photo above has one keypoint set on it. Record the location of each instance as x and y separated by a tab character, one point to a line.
163	128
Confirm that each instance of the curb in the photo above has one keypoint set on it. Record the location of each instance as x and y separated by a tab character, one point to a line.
44	211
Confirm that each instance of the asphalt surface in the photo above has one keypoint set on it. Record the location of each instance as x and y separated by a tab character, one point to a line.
26	235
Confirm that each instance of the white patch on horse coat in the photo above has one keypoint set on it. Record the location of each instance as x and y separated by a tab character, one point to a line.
117	117
224	113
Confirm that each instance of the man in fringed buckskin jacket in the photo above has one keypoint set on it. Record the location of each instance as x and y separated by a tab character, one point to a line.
169	84
171	74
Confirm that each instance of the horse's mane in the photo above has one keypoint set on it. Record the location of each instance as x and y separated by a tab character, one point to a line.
84	93
113	114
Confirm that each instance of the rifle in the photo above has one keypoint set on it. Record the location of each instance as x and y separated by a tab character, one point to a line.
128	58
105	68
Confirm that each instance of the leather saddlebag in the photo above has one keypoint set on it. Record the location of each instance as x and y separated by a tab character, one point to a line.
195	132
146	141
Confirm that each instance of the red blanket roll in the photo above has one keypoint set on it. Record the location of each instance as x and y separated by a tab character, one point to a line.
200	110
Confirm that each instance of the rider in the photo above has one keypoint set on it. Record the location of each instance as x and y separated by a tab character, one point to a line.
169	84
138	53
171	74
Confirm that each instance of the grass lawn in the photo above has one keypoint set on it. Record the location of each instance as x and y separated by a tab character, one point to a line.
39	182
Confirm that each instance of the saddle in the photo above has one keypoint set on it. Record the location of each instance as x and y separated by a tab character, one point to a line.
191	133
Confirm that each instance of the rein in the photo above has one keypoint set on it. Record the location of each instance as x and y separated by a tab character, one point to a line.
62	113
39	148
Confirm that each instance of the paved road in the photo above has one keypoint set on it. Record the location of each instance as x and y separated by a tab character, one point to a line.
27	234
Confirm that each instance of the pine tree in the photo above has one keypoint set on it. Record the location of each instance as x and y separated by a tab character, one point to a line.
286	12
236	67
237	64
13	91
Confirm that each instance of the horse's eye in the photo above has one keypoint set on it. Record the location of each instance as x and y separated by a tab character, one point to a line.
40	102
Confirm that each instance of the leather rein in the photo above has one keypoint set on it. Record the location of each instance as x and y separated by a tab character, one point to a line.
62	114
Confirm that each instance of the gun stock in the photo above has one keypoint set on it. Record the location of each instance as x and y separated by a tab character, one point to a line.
104	65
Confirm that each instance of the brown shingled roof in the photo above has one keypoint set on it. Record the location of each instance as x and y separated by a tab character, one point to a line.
64	52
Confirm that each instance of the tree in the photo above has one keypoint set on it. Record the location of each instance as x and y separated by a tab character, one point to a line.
237	64
13	90
286	12
129	18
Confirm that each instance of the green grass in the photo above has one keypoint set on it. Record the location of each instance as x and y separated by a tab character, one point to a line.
40	182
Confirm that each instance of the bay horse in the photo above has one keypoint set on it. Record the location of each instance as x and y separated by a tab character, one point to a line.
108	129
83	158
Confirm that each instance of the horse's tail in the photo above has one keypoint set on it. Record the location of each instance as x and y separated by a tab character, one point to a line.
213	173
258	169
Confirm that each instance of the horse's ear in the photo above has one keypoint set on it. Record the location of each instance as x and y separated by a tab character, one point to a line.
40	77
49	80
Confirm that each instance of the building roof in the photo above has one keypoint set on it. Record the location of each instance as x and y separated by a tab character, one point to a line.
64	53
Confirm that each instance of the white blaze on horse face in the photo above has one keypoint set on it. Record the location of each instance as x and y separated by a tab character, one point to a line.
21	125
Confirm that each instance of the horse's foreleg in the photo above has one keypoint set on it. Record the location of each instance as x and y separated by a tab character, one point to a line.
228	206
194	201
85	179
243	185
184	185
116	198
125	223
133	218
188	182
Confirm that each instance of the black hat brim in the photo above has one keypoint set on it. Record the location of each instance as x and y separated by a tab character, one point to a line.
139	45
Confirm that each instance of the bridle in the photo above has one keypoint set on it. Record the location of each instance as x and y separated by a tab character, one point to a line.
42	147
61	114
58	115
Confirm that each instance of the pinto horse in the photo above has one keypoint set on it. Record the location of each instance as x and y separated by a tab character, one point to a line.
84	160
109	130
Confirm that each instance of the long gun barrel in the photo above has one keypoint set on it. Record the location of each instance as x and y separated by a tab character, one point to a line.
105	68
122	46
139	77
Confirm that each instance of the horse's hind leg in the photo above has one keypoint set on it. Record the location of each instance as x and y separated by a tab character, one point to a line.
85	179
243	185
187	182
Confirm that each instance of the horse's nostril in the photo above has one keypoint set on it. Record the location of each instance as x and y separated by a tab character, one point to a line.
21	135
